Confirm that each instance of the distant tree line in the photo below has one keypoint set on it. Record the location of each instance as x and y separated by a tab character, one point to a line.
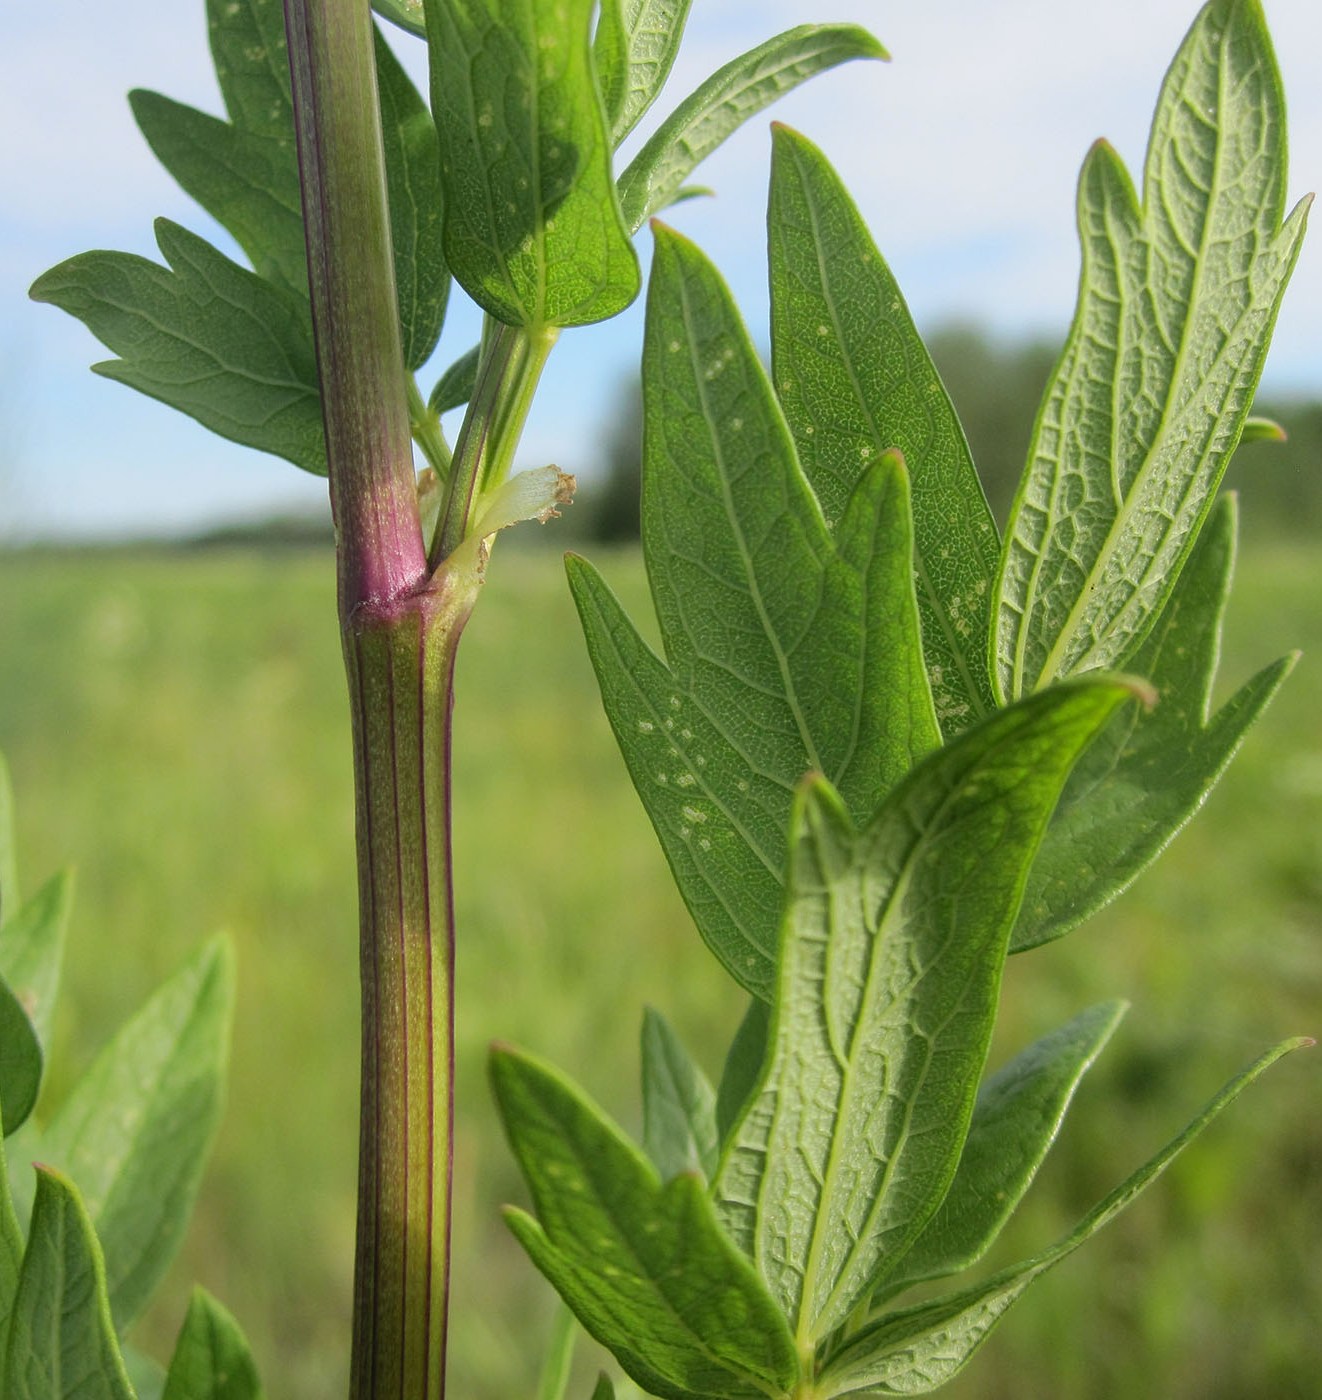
996	389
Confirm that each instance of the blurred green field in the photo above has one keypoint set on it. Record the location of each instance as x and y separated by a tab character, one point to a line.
176	727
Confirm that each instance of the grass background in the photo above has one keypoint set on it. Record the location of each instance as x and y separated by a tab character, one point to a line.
176	727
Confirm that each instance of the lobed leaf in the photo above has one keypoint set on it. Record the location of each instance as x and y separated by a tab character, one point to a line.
855	379
205	336
62	1342
635	49
915	1351
655	177
211	1358
135	1130
1148	773
1016	1118
788	648
533	232
643	1264
1177	300
892	949
679	1105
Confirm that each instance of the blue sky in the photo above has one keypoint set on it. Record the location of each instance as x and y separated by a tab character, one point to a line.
962	154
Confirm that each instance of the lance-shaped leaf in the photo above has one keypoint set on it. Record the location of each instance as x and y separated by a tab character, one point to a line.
679	1105
891	957
533	231
604	1388
744	1062
854	379
1016	1119
455	387
211	1358
788	647
1177	301
135	1130
643	1264
11	1249
733	94
205	336
61	1339
634	49
32	951
1148	773
417	224
21	1062
919	1349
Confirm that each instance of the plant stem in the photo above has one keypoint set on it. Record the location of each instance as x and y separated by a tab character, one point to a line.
400	630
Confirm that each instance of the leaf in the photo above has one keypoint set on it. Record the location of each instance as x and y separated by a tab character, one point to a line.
11	1251
1017	1116
1262	430
1147	774
145	1373
679	1105
252	65
744	1062
9	891
603	1390
247	181
854	379
32	951
407	14
135	1130
20	1061
205	336
722	104
893	943
917	1350
417	224
533	233
1177	301
455	387
61	1340
211	1358
788	648
643	1264
635	49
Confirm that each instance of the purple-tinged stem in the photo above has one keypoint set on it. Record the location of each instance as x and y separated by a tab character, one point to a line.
400	631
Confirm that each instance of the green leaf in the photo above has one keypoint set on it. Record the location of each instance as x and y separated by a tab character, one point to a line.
9	891
61	1340
643	1264
417	224
146	1374
1148	773
211	1358
32	951
20	1062
455	387
408	14
1262	430
247	181
788	648
893	944
205	336
252	65
679	1105
1018	1114
604	1389
533	232
135	1130
854	379
635	49
733	94
1177	301
11	1250
744	1062
917	1350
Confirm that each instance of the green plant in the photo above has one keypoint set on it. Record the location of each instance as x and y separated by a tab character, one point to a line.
833	602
